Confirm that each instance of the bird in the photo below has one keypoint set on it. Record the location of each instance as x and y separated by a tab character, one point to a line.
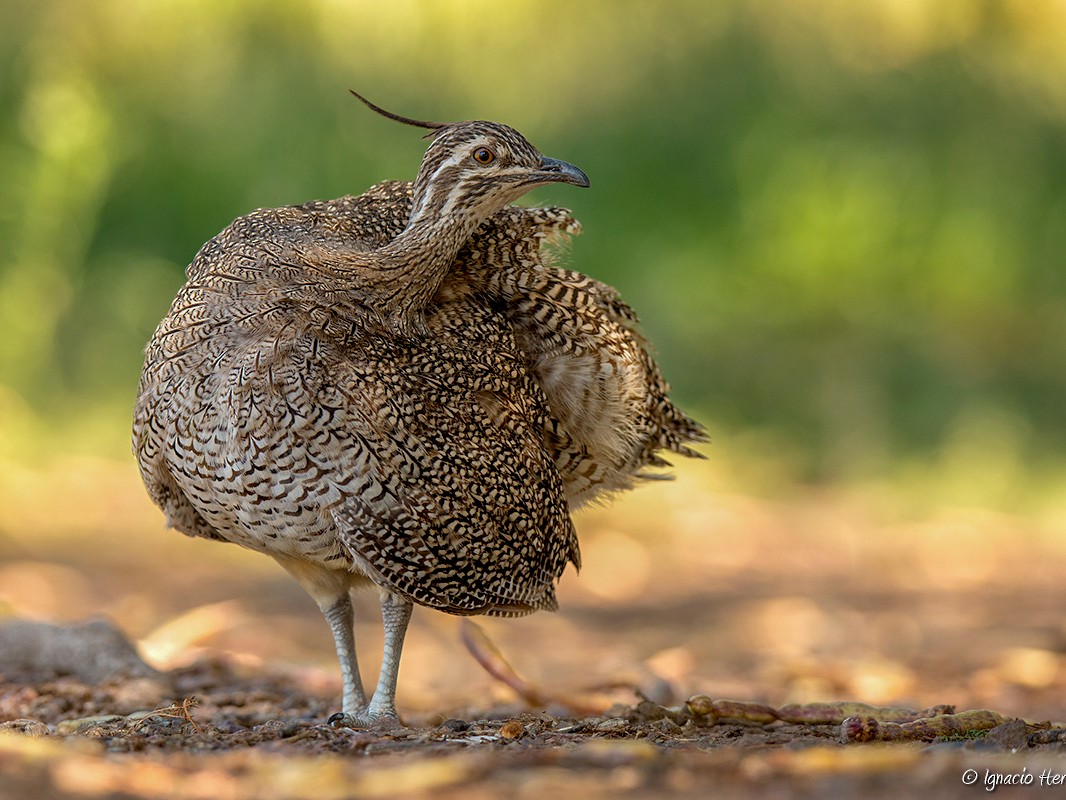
402	390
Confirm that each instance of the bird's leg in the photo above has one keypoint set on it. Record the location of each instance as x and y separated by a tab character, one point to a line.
341	621
331	591
395	614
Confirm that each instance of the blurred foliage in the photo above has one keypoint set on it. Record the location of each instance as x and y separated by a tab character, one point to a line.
842	223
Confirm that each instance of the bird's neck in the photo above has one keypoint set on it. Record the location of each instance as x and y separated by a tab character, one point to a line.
393	284
411	267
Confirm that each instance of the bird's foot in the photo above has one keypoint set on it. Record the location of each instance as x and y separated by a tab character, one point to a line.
365	720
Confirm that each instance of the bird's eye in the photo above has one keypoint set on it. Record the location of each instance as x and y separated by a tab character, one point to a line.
484	156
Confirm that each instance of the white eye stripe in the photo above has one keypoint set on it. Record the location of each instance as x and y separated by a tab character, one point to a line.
452	160
448	185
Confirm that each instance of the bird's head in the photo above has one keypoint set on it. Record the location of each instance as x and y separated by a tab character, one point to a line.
476	168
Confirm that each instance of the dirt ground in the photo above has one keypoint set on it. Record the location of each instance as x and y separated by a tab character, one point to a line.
707	648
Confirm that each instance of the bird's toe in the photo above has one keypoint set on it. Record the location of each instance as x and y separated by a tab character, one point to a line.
364	720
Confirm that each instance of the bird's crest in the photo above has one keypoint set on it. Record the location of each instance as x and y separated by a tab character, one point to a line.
434	127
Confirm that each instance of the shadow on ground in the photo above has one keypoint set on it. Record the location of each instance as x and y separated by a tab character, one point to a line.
825	598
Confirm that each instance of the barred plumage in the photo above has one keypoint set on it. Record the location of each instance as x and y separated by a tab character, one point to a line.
401	389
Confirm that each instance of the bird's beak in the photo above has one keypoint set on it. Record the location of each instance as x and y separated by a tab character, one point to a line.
555	171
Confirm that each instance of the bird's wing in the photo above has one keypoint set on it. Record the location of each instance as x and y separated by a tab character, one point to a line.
475	521
609	403
459	506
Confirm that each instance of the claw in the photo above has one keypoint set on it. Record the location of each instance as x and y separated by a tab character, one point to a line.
363	720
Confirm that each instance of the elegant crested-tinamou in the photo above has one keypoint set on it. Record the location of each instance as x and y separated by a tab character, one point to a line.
402	390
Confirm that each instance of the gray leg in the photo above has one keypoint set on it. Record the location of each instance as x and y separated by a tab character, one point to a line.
395	614
341	619
331	590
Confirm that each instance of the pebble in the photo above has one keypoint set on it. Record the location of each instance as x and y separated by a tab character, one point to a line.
73	726
512	729
27	727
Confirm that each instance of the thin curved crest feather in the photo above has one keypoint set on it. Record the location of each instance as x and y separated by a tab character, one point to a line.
434	127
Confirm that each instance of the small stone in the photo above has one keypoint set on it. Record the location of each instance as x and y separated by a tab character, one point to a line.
456	725
647	711
1012	735
512	729
27	727
667	727
76	726
94	651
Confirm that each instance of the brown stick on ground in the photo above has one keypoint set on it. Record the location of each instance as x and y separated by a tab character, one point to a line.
868	729
708	710
836	713
489	656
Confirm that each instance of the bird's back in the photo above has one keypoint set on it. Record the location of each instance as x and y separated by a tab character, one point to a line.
609	411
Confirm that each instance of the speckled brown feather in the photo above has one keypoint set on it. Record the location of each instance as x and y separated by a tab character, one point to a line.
286	417
609	409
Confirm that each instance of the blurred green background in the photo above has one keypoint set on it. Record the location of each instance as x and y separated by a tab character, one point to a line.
843	223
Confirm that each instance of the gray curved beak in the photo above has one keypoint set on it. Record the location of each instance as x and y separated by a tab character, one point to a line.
554	171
